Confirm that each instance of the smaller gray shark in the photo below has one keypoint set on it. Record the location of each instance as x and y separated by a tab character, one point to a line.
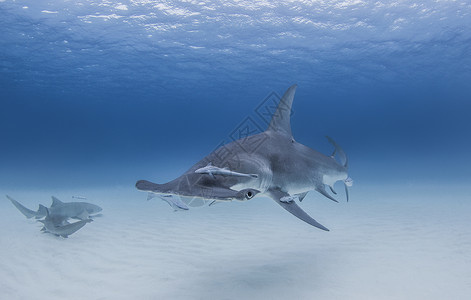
59	210
74	210
50	226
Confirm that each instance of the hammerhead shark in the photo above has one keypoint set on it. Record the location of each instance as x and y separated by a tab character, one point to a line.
271	163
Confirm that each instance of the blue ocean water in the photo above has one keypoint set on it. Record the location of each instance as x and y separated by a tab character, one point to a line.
97	94
103	92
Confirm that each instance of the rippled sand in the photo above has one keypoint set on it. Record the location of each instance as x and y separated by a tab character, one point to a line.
384	244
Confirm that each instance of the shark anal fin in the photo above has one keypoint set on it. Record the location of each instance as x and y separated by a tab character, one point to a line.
294	209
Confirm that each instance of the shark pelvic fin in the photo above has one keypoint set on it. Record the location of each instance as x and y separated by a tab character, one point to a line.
321	189
293	208
280	121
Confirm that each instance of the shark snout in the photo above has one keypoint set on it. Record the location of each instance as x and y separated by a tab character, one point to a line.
92	209
145	185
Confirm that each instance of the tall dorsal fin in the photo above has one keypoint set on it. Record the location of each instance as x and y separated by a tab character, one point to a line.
56	201
280	121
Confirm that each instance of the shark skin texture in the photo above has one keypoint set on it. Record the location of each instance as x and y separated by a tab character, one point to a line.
278	167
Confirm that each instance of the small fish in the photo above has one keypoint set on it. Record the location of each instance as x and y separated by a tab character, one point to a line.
213	170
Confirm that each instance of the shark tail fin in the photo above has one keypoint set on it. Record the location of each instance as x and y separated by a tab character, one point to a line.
281	120
28	213
342	157
347	182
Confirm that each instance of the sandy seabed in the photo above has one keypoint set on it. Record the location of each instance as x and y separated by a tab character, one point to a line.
388	242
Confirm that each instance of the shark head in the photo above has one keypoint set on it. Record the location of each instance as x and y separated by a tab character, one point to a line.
195	185
92	208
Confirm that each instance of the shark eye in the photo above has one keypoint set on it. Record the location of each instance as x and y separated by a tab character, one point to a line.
249	194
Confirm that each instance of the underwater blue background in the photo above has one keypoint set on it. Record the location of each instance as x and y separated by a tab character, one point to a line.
97	94
101	92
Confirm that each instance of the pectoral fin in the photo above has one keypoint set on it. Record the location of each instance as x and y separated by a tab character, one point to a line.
293	208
